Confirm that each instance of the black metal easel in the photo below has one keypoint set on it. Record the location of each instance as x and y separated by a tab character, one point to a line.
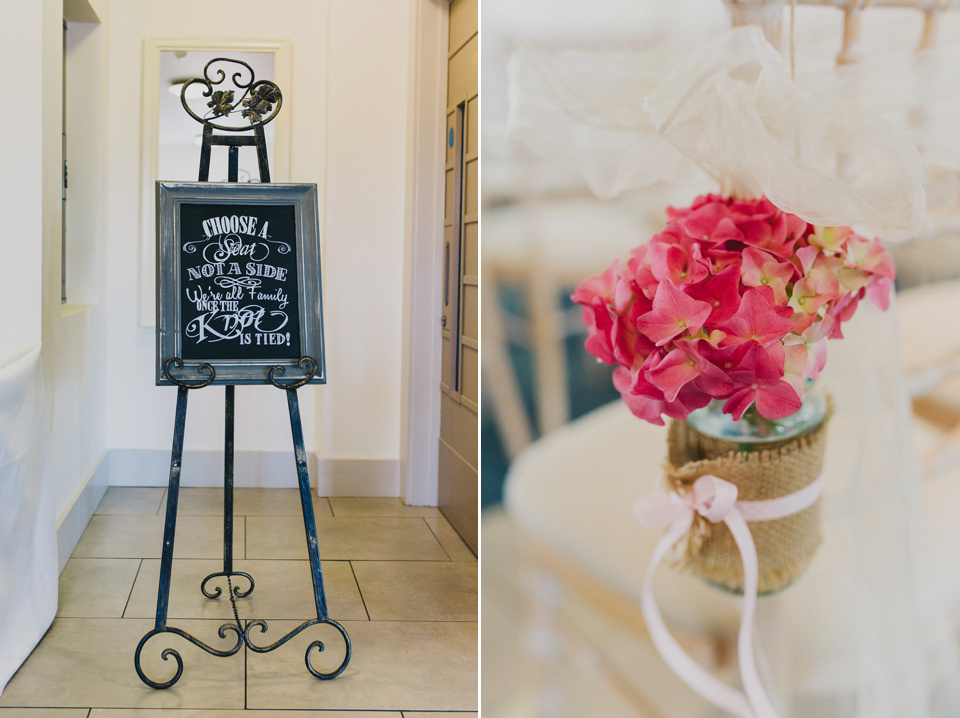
261	101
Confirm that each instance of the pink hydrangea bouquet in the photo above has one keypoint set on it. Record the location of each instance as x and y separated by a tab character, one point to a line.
734	300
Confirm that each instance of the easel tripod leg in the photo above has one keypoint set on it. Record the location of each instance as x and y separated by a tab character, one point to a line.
306	501
166	565
173	497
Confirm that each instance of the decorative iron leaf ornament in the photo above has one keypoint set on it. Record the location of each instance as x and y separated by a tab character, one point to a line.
260	100
222	103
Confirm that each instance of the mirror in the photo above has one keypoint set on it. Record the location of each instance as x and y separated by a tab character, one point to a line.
170	144
178	134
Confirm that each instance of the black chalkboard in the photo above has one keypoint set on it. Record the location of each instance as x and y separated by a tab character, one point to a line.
238	278
238	275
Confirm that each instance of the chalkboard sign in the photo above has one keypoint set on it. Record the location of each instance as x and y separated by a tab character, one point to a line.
238	282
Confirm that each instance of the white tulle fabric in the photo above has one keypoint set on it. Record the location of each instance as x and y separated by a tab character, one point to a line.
727	108
865	633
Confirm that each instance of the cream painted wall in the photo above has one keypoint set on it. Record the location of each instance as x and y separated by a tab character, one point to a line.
74	336
20	180
348	135
366	173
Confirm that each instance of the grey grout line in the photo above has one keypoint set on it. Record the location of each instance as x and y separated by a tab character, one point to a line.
436	538
360	591
126	605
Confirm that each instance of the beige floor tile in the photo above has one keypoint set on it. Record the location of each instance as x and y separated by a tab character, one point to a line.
283	589
364	506
415	666
142	537
136	500
344	539
159	713
45	713
248	502
418	590
450	539
84	662
96	587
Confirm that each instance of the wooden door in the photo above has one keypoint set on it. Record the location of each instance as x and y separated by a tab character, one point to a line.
460	372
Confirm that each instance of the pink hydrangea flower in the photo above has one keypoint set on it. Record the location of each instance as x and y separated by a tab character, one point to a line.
733	300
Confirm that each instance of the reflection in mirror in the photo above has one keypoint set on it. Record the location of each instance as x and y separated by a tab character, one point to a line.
178	135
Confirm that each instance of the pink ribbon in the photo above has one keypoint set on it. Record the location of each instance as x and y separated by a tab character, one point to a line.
716	500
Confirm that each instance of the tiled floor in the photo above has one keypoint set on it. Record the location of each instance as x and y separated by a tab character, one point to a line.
398	579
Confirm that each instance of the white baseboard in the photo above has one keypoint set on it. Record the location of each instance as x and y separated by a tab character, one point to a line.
358	477
259	469
73	521
251	469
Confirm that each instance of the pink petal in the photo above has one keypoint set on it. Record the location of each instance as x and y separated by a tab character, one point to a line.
673	313
878	289
596	288
641	406
806	255
756	320
721	292
675	370
739	402
776	400
599	340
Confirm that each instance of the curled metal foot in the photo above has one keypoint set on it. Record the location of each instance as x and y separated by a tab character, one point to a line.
308	364
319	646
170	652
202	368
217	592
262	625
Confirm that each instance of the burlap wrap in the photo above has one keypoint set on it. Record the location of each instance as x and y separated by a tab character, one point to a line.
784	546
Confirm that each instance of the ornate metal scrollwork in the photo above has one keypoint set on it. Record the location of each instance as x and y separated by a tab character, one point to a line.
168	652
258	101
262	625
308	364
217	592
202	368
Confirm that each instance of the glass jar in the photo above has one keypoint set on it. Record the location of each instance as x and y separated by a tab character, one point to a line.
752	428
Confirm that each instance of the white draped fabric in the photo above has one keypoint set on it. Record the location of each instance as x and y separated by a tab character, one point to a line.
28	541
728	109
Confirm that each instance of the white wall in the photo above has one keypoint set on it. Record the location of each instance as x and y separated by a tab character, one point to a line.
348	103
20	179
366	141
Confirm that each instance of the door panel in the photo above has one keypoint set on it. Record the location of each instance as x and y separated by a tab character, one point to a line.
460	358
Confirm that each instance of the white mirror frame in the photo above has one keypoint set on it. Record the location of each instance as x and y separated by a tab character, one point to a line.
149	149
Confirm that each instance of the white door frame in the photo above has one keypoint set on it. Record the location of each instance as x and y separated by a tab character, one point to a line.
423	236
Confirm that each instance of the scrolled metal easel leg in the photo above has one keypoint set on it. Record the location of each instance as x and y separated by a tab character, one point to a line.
310	527
166	565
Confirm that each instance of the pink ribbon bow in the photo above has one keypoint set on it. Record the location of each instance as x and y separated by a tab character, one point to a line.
716	500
